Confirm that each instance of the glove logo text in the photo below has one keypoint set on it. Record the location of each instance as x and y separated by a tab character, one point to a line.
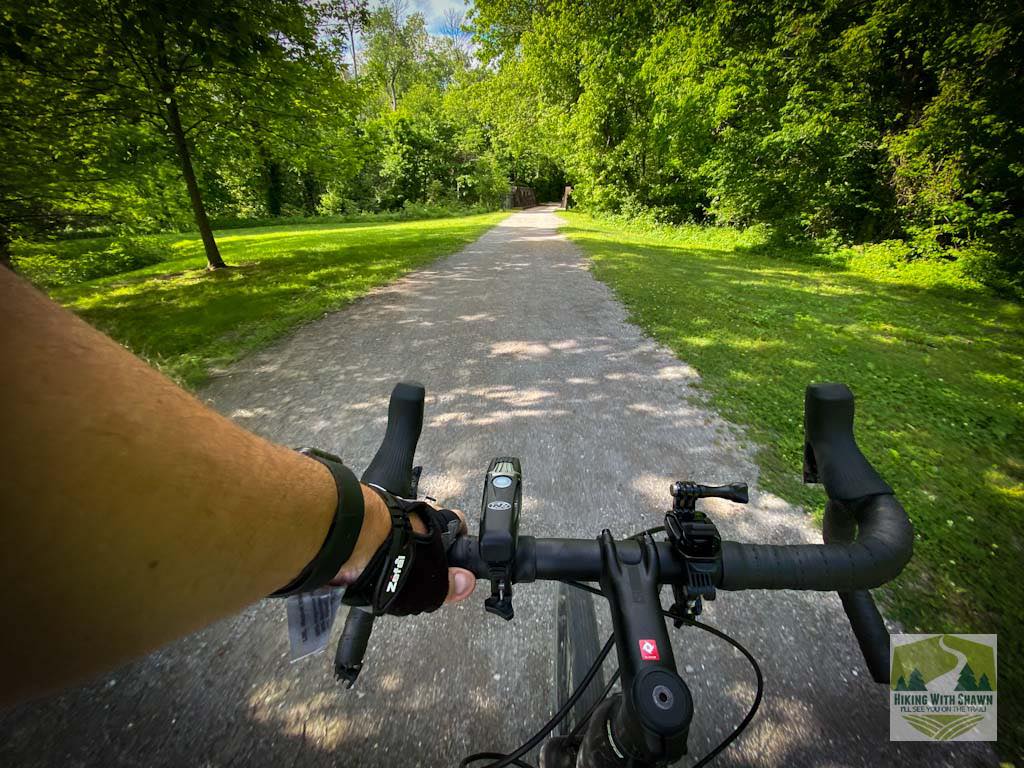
396	574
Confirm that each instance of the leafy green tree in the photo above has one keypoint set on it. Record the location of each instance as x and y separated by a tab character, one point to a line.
159	63
74	163
295	132
396	48
499	115
856	123
342	21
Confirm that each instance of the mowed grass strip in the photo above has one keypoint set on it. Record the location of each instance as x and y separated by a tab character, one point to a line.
186	320
936	364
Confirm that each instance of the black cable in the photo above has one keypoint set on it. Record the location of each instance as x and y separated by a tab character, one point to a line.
492	756
593	707
757	698
717	633
584	587
648	532
551	724
561	714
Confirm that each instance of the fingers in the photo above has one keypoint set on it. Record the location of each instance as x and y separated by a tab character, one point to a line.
461	584
419	527
462	517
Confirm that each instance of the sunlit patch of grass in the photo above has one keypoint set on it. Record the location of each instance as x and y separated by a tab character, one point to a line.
187	320
936	363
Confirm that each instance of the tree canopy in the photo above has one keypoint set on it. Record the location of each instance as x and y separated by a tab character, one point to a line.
830	122
844	121
137	115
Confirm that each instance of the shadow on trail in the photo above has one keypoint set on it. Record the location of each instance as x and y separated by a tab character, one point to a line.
523	353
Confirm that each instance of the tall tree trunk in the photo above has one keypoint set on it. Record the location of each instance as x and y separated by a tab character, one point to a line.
5	249
393	91
275	187
213	259
310	193
352	48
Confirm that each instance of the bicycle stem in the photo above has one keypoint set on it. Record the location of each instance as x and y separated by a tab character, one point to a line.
651	722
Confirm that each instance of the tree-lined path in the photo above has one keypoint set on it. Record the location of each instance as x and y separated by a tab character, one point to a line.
522	352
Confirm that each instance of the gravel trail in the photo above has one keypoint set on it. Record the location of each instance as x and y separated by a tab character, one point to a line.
522	352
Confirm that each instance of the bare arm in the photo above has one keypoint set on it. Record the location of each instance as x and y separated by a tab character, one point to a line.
132	514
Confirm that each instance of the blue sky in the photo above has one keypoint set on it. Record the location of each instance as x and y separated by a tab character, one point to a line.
433	10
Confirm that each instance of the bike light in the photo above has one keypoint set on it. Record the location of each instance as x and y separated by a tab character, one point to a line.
499	530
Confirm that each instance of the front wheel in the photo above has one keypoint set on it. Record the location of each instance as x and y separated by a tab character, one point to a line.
576	648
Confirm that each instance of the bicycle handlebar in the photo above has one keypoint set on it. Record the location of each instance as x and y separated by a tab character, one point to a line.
868	540
882	547
868	537
878	554
391	469
831	455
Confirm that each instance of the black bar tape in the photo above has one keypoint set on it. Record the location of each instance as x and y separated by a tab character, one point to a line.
884	544
341	536
869	629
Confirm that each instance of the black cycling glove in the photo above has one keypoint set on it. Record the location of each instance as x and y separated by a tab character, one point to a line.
409	573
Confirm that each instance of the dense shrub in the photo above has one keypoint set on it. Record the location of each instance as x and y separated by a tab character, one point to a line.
45	267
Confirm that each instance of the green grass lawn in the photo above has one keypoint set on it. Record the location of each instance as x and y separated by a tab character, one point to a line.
936	364
186	320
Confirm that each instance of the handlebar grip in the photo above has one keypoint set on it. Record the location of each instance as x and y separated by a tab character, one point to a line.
831	455
884	544
736	492
391	467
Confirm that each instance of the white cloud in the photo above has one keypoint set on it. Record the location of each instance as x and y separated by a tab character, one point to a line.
433	11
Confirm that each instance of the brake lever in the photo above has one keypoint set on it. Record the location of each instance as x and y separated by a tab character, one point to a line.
355	636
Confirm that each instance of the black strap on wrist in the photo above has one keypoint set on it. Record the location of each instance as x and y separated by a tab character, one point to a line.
341	536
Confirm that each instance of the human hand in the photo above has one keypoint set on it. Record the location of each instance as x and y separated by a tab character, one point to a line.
375	531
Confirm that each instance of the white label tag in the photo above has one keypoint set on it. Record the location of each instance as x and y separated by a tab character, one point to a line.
310	618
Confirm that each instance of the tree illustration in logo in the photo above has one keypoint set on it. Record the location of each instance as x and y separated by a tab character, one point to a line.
966	681
983	683
927	658
916	682
980	657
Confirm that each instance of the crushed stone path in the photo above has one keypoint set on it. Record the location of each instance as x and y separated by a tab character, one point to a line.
522	352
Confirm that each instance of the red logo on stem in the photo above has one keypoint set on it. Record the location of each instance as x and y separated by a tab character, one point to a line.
649	651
